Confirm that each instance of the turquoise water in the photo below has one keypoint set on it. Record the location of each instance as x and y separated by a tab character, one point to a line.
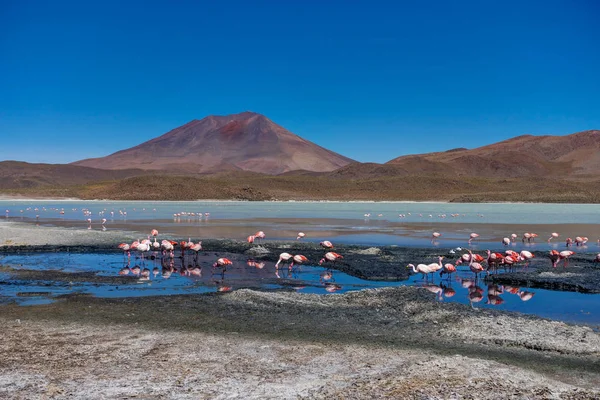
406	224
472	213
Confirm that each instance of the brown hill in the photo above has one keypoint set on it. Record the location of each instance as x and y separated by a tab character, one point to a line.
246	141
17	174
575	155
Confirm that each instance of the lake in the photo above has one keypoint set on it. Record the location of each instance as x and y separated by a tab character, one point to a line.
368	223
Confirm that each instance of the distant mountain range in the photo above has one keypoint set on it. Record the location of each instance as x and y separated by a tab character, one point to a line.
576	155
241	148
247	141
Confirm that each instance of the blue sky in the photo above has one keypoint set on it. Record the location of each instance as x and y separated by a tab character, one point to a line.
372	80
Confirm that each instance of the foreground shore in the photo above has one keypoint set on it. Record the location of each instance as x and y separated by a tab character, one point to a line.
384	343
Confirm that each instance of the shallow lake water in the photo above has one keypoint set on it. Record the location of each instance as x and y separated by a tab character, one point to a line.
369	223
177	276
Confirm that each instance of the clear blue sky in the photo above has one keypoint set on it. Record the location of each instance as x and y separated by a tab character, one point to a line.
369	79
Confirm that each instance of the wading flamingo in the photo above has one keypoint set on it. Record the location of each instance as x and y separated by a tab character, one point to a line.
196	247
473	236
434	267
448	269
300	235
494	259
331	257
125	247
222	263
298	259
475	267
143	248
553	235
283	257
422	269
556	256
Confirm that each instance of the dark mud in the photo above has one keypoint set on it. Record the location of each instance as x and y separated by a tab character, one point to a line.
17	274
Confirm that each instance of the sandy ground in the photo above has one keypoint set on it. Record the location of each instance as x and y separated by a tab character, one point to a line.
385	343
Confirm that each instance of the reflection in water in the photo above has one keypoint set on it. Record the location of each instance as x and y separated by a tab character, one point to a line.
475	293
332	287
475	290
191	274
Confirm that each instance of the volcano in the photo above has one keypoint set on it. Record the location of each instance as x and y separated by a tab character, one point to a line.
245	142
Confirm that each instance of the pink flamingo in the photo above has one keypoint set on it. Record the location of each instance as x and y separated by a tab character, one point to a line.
448	269
526	255
326	244
285	257
143	248
434	236
422	269
298	259
222	263
473	236
125	247
475	267
260	235
509	261
300	235
556	256
434	267
331	257
196	247
553	235
493	259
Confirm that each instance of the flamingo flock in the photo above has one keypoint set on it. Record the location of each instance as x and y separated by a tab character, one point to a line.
165	250
478	264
